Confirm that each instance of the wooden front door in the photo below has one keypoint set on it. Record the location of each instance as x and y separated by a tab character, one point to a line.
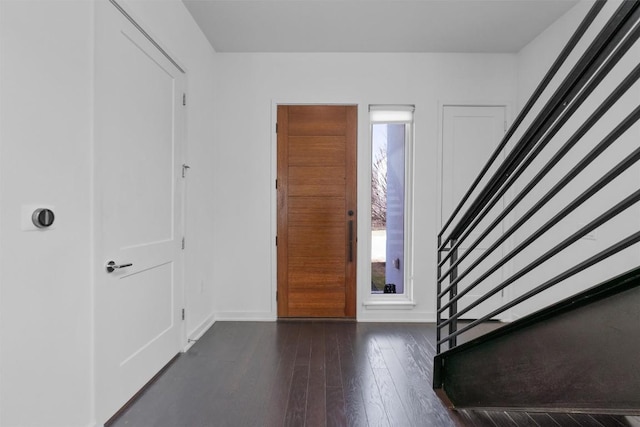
317	211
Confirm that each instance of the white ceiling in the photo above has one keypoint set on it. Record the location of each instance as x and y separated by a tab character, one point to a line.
374	25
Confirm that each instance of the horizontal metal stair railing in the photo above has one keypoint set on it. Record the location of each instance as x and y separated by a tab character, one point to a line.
533	149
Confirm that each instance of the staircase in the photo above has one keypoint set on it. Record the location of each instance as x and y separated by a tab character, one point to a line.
578	355
557	179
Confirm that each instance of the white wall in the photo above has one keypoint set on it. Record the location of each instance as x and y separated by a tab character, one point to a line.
533	62
45	158
46	54
248	88
537	57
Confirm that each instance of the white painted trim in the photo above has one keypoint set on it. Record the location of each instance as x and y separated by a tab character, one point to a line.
274	208
408	316
198	332
364	221
239	316
403	301
94	208
389	304
137	21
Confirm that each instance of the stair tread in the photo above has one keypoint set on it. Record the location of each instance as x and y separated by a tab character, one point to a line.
539	419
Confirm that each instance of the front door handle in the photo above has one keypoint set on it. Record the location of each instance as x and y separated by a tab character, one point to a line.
112	266
350	236
350	240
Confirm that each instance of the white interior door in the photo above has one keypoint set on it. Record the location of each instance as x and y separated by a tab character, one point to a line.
138	159
469	136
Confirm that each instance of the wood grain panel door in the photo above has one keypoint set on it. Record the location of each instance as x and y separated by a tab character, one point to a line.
317	211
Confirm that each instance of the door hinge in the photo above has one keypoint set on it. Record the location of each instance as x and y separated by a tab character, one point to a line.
184	169
276	240
276	183
276	128
184	99
183	314
183	243
276	296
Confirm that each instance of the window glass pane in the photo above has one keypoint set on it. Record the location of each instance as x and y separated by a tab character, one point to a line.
387	207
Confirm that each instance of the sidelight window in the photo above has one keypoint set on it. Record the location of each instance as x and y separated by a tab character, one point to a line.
391	153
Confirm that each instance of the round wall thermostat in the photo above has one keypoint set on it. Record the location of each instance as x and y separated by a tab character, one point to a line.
43	218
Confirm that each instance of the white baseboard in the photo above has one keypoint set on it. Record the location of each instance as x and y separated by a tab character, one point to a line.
397	316
369	316
515	317
245	317
199	331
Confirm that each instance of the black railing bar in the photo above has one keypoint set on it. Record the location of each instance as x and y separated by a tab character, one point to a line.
606	40
588	193
606	216
612	250
453	307
559	61
557	119
526	144
600	111
601	256
438	301
588	63
613	59
616	94
452	319
579	167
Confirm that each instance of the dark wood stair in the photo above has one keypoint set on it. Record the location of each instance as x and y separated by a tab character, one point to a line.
580	355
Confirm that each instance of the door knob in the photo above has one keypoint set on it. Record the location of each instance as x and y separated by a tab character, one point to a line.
112	266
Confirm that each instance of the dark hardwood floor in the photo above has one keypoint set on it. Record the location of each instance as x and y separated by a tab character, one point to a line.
316	374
